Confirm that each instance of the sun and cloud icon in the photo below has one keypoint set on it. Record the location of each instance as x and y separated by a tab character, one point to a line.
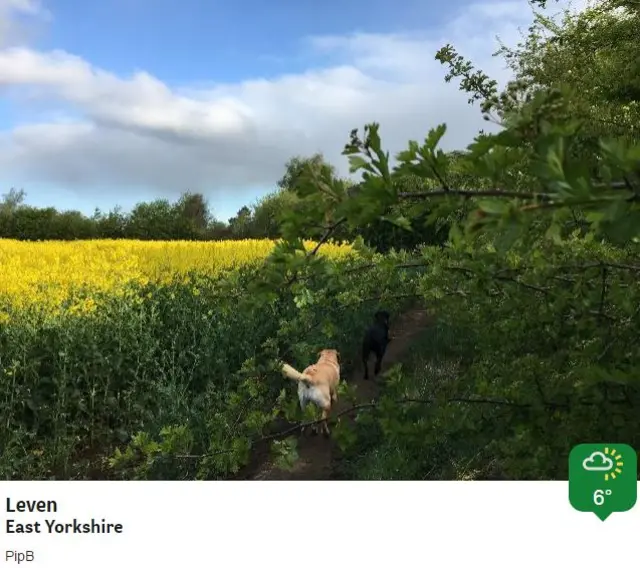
608	461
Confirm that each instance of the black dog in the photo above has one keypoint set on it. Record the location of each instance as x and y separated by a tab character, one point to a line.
376	340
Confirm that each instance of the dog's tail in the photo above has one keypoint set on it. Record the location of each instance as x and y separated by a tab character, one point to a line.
289	372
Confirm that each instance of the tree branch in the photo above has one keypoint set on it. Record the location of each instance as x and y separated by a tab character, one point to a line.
357	408
585	266
500	277
475	193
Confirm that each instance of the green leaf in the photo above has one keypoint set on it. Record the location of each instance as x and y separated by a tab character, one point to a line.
434	136
399	221
493	206
357	163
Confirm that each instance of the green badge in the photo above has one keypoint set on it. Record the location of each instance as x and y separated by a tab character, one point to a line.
603	478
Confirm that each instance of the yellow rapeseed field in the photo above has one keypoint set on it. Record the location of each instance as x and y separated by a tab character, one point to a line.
48	273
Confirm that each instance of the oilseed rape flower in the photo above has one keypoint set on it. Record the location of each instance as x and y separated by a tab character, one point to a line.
70	275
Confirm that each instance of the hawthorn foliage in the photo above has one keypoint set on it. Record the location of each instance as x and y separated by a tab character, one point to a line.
540	269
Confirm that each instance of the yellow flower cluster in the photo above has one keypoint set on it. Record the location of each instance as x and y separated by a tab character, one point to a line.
49	273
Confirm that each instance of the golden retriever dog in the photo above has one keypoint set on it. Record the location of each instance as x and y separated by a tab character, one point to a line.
318	383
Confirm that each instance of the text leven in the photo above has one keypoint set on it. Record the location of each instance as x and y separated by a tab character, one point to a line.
31	506
53	526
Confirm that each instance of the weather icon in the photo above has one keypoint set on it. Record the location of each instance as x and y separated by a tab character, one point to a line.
610	462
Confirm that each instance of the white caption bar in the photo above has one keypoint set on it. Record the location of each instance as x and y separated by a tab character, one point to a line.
310	524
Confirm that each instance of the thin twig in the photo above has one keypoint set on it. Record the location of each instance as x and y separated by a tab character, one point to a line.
327	234
612	341
603	291
330	230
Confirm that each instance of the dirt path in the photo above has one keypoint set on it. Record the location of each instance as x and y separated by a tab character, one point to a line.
316	452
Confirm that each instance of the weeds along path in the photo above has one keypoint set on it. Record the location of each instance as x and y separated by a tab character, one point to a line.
316	452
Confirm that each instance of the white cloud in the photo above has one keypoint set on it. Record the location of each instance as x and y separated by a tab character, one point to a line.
13	27
138	131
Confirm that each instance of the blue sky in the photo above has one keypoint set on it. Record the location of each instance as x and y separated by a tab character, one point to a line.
110	103
204	40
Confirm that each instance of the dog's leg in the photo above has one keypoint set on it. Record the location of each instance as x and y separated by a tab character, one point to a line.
325	422
365	362
379	356
303	406
314	428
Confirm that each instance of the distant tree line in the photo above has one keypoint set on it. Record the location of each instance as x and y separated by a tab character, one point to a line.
190	218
